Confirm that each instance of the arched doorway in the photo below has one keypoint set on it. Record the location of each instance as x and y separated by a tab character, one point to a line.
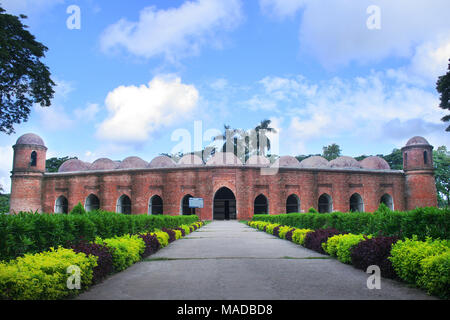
224	207
124	204
61	205
155	205
356	203
92	203
325	203
292	204
261	205
387	200
185	210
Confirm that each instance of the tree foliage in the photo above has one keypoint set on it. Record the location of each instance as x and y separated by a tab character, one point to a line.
441	159
24	79
394	159
443	87
331	152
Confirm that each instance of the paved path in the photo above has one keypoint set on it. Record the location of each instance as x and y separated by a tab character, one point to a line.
227	260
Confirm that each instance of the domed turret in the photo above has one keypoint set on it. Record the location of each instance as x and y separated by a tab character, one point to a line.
314	162
103	164
74	165
419	170
344	162
190	160
224	159
375	163
133	163
162	162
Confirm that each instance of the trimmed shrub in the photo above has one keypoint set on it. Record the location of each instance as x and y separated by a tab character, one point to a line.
344	244
163	238
423	222
331	245
178	234
374	251
276	231
182	230
269	228
313	240
127	250
151	244
312	210
104	258
407	256
43	276
435	277
78	209
298	235
289	234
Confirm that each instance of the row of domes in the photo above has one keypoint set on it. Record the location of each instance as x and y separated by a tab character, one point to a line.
223	159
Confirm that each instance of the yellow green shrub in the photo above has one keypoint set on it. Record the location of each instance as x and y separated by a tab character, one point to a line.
270	227
340	245
163	238
283	230
435	275
186	228
298	236
127	250
178	234
43	276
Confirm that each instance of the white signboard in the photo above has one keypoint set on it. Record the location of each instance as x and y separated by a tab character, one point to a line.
195	202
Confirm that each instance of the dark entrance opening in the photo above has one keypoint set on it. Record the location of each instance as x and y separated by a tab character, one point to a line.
260	205
224	205
185	210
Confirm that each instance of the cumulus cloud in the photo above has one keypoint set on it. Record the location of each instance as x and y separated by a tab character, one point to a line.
6	160
87	114
137	112
175	32
375	107
335	31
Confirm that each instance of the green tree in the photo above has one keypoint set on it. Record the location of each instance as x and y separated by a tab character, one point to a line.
441	159
394	159
443	87
261	131
331	152
53	164
4	203
24	79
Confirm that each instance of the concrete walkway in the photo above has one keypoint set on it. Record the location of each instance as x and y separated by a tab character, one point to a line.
227	260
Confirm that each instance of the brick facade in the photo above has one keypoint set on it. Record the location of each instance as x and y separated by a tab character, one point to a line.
33	189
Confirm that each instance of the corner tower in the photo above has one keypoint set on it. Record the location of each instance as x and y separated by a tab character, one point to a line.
419	171
27	173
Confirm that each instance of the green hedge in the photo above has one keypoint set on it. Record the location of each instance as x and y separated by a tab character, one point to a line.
423	222
34	232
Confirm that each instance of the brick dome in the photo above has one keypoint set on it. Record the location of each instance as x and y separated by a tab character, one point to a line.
375	163
103	164
224	159
190	160
417	141
162	162
31	138
133	163
344	162
314	162
74	165
287	161
256	160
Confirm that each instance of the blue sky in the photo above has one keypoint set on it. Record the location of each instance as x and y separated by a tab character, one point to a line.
139	73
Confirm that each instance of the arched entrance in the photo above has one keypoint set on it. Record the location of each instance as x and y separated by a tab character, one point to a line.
92	203
325	203
61	205
224	207
185	210
356	203
292	204
155	205
261	205
387	200
124	205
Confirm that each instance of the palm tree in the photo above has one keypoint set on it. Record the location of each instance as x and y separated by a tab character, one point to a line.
261	130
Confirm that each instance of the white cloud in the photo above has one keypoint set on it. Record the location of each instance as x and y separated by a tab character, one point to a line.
137	112
87	114
335	31
281	8
175	32
373	107
6	160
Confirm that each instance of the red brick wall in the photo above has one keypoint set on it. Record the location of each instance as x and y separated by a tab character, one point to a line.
245	182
